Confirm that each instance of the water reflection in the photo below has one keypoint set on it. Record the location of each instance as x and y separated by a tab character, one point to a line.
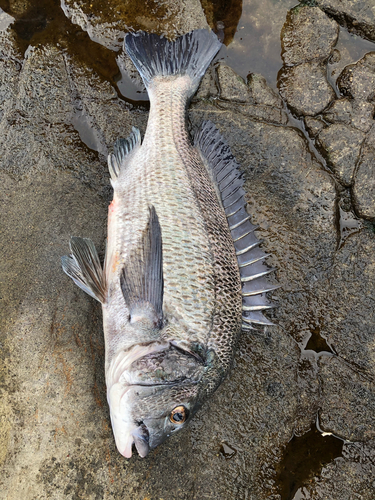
256	45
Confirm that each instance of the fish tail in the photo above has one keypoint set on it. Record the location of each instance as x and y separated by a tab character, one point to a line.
155	56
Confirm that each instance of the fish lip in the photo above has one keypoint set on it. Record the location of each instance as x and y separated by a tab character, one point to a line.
142	440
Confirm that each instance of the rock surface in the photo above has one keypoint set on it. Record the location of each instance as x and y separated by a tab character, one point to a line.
357	16
108	23
58	121
305	88
308	34
308	38
342	145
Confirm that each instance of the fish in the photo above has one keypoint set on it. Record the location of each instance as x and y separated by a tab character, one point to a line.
183	272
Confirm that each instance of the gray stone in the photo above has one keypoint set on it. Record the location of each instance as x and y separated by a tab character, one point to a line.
356	15
232	86
340	112
363	114
347	478
308	34
256	100
341	145
305	88
261	93
364	185
358	80
314	125
348	402
355	112
107	23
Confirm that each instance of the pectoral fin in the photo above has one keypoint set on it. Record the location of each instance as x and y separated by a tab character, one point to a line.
142	277
83	266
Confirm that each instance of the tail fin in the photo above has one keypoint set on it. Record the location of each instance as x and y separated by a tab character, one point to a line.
189	54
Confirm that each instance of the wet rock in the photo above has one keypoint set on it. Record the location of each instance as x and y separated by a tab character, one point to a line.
340	111
358	80
357	16
308	38
314	125
232	86
355	112
364	186
346	477
261	93
44	100
349	401
341	145
305	88
353	320
255	99
56	441
308	34
363	114
208	87
10	65
107	24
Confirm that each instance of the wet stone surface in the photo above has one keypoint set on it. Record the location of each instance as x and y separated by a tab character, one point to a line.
313	372
357	16
308	38
341	146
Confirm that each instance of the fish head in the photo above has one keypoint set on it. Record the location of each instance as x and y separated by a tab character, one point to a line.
153	397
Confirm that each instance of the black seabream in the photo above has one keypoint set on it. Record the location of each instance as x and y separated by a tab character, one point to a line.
183	271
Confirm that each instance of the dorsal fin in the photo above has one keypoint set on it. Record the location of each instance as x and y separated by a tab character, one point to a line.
142	277
228	181
121	151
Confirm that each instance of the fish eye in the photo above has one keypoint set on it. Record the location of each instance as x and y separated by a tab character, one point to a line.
179	415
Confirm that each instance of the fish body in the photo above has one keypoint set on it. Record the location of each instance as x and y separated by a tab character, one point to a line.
182	261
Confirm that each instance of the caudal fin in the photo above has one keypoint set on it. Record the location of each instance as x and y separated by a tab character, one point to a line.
189	54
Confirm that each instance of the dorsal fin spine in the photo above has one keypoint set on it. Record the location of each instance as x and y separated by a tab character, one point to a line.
225	173
122	149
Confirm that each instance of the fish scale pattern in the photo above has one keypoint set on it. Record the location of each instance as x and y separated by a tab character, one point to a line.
156	175
226	324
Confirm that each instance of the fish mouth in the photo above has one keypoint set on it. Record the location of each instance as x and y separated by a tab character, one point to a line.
142	440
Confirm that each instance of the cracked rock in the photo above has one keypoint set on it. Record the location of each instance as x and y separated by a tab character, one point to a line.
308	34
341	145
358	16
305	88
308	38
364	185
107	22
358	80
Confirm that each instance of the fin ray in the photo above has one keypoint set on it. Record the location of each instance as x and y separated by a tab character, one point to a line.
84	267
189	54
121	151
228	181
142	277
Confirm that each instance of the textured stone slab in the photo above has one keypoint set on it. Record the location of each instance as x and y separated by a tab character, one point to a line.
308	34
305	88
341	146
107	23
357	16
364	185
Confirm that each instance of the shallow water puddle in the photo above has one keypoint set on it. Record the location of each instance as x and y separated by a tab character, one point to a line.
303	458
